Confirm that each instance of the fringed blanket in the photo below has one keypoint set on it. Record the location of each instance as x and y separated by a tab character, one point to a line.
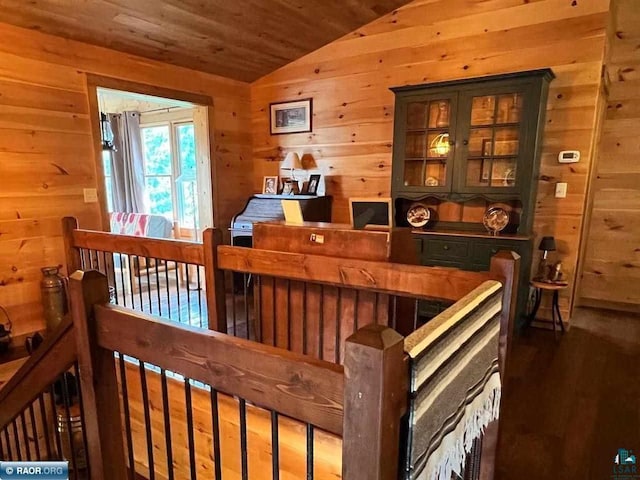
455	384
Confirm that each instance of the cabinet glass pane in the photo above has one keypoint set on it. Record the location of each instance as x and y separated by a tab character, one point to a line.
480	142
435	174
439	146
503	172
483	110
509	108
413	173
416	145
439	114
416	115
505	141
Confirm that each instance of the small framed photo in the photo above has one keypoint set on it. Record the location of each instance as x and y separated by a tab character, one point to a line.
314	182
291	117
270	185
290	187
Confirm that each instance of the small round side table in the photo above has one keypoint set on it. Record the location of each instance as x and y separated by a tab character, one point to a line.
540	288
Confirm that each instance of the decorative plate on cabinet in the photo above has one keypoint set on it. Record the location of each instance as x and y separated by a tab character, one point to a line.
495	219
418	215
431	182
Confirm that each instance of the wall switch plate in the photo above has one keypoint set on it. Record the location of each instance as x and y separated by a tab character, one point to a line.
561	190
90	195
569	156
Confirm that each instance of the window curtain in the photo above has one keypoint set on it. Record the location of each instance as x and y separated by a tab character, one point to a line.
127	163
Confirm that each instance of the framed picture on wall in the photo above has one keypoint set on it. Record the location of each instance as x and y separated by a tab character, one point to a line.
291	117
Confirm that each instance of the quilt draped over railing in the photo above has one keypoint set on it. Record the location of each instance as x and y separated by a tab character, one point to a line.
455	383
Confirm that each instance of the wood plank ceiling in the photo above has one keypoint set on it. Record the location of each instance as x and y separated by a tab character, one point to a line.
243	40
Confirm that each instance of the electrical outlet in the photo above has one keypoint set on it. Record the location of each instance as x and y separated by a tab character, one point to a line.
561	190
90	195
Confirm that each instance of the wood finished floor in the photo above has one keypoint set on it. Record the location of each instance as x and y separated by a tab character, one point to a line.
570	404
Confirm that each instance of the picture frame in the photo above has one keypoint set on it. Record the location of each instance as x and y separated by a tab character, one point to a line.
290	187
291	117
270	185
314	183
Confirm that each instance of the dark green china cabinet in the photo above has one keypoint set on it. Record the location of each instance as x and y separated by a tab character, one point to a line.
464	147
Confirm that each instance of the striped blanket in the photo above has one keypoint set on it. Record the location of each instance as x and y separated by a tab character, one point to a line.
455	384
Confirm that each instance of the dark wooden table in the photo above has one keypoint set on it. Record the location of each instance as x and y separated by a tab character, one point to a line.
540	288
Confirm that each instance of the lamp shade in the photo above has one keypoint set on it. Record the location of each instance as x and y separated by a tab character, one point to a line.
547	244
292	161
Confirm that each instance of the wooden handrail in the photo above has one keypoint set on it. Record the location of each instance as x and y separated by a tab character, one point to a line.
393	278
165	249
56	354
299	386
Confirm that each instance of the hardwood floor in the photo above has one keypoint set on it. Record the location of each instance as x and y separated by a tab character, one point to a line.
570	404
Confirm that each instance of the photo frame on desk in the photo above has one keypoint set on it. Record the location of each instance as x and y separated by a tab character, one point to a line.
270	185
314	183
371	213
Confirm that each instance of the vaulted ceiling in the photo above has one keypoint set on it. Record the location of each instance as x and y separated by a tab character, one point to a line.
240	39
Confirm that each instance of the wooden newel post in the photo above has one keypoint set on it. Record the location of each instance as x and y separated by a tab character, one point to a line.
375	399
214	278
72	254
103	424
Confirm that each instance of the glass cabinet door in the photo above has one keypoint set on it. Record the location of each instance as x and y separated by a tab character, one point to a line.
427	144
492	142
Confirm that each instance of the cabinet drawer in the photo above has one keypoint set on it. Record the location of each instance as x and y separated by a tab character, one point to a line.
481	253
443	263
445	249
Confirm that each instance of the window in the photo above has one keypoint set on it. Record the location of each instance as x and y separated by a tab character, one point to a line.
107	166
170	171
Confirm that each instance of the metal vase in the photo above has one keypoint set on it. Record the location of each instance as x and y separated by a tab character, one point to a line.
54	297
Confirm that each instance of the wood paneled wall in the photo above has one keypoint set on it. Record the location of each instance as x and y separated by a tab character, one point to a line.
46	152
611	271
435	40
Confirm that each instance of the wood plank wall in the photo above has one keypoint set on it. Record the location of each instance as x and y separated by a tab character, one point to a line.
46	156
435	40
611	272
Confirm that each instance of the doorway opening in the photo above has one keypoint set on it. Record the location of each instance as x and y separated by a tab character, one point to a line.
155	159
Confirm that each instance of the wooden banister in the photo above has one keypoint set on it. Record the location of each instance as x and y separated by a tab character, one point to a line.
393	278
98	379
304	388
56	354
165	249
376	389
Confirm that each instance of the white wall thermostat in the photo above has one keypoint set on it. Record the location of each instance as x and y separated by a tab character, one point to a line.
569	156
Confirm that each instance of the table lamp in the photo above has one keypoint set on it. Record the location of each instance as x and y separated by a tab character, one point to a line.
547	244
292	162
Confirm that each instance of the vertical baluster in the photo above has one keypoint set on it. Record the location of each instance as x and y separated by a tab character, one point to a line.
25	436
338	325
146	259
34	428
130	281
66	398
274	312
45	427
56	430
356	300
2	455
192	443
257	317
156	261
17	440
275	446
199	297
124	288
309	451
243	438
167	422
289	315
147	419
85	442
394	312
304	318
7	441
245	286
166	279
178	290
139	279
186	269
127	417
216	434
415	315
375	307
321	324
233	303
